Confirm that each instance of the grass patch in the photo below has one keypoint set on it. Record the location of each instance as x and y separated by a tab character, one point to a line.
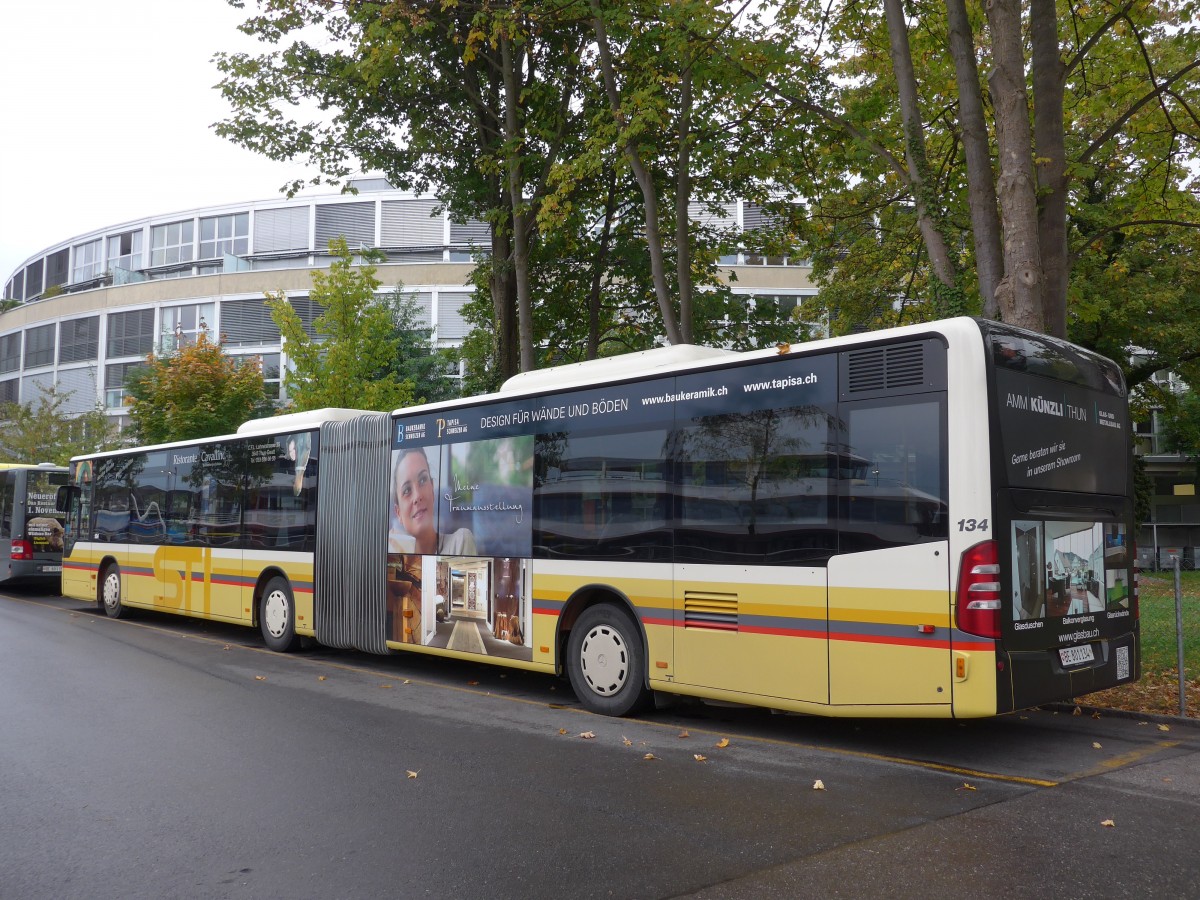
1158	689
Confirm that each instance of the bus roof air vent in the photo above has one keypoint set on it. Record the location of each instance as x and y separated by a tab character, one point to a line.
895	369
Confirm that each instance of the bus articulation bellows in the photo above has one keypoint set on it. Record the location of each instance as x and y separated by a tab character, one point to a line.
932	520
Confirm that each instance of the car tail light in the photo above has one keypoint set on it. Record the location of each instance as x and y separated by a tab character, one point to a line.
978	604
22	550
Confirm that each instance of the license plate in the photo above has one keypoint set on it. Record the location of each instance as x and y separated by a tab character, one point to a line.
51	568
1074	656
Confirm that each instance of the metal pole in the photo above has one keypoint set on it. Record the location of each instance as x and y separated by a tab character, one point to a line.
1179	636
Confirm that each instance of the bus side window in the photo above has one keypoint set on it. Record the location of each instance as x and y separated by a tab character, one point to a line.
897	494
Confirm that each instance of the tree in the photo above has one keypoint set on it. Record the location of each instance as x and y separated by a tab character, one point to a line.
416	360
41	432
350	363
1110	103
195	391
471	98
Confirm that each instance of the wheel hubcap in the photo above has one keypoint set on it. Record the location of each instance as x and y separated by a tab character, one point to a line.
112	592
275	613
604	660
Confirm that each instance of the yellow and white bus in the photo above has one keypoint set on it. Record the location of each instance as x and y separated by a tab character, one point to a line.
933	520
31	529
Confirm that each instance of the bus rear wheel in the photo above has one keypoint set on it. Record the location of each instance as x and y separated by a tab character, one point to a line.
277	616
109	594
606	661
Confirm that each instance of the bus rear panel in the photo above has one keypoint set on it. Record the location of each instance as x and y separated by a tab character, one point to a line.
31	528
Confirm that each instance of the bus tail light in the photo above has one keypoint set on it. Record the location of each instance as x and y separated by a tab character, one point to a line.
978	605
22	550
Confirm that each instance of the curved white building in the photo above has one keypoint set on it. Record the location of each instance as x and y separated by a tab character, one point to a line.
86	310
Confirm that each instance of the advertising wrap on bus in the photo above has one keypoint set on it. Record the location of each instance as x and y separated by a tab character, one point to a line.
1065	445
44	523
1062	437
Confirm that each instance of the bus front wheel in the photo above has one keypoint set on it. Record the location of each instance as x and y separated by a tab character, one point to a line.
606	661
277	616
110	592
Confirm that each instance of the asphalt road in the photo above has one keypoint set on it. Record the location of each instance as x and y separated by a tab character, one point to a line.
162	757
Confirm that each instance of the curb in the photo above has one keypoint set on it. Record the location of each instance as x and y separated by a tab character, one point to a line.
1105	711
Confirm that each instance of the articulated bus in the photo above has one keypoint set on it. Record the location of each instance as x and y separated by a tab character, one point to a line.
933	520
31	527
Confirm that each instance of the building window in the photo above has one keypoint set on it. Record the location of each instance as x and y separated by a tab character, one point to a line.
39	346
171	244
56	268
10	352
269	365
115	376
225	234
125	251
78	340
130	333
88	261
10	391
181	325
33	279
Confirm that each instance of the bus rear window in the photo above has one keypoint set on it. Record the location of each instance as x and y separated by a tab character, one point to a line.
1063	426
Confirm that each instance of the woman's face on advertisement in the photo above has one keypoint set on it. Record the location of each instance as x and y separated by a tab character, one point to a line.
414	494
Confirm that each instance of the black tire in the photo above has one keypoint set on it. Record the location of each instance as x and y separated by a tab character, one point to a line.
606	661
277	616
108	593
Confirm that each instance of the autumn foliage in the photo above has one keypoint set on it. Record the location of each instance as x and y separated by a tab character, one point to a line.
194	392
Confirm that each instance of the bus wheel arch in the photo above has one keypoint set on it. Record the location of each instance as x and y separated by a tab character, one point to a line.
275	610
603	646
108	590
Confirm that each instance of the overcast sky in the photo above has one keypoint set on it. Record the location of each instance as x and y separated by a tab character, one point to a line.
106	113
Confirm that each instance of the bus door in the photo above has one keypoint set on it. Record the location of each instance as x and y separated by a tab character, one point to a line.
78	579
890	614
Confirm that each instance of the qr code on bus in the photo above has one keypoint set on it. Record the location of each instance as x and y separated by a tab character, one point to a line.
1122	663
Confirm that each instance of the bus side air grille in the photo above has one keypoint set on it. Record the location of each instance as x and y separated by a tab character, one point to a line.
713	612
886	368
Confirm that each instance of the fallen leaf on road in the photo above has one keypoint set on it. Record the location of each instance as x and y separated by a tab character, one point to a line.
1096	745
385	685
818	785
320	678
1164	727
260	677
626	741
411	773
562	731
406	681
1077	711
967	787
649	756
684	734
587	735
699	757
1109	823
722	743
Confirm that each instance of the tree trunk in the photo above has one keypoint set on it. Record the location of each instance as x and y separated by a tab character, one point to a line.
914	142
520	212
1019	292
683	201
598	268
981	183
1049	83
645	181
